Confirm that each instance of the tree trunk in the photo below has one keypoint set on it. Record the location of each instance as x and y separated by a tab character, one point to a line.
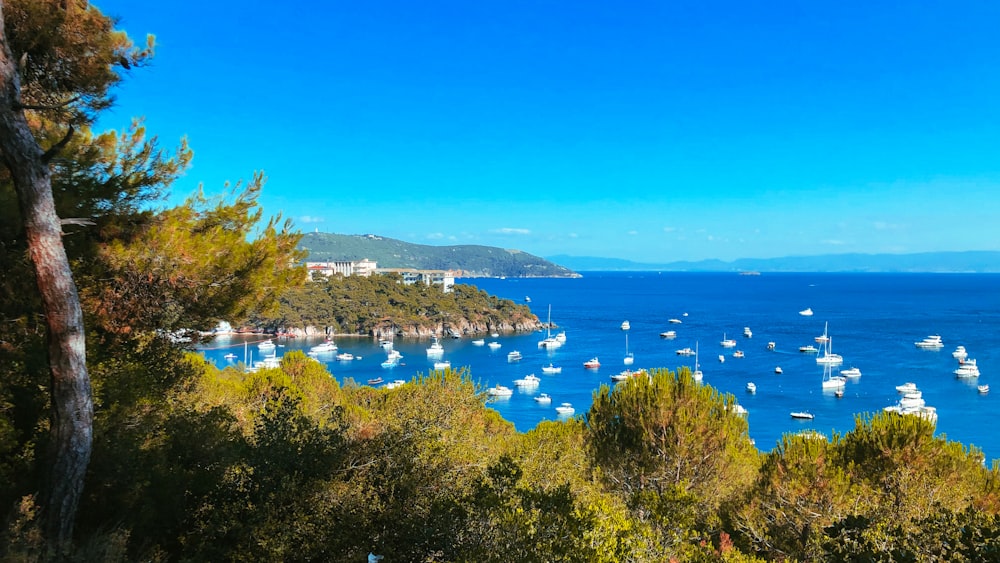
72	407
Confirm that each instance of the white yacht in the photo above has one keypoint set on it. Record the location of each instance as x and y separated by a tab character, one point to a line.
543	399
551	369
514	356
968	368
494	345
960	353
807	312
808	349
751	387
478	342
727	342
851	372
803	415
932	342
327	347
442	364
747	332
685	352
345	356
530	380
626	325
436	350
668	334
907	387
500	391
266	345
565	409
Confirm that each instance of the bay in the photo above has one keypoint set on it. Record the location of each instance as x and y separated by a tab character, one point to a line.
874	321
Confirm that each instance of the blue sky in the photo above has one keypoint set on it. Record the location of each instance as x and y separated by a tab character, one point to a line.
653	131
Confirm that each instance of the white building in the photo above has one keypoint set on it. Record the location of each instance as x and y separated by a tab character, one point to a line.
444	278
364	267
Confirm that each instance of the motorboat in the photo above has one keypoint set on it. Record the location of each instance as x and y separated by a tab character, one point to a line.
960	353
435	350
390	363
230	356
494	335
738	354
968	368
923	411
345	356
739	409
592	363
514	356
983	388
807	312
551	369
530	380
751	387
727	342
266	345
721	358
626	325
839	392
443	364
668	334
394	355
932	342
747	333
394	383
478	342
494	345
500	391
808	349
561	337
327	347
685	352
777	370
674	321
543	399
621	376
565	409
802	415
851	372
770	345
375	381
907	387
911	400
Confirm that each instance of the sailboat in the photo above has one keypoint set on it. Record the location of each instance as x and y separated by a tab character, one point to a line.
831	381
828	357
629	358
550	342
696	374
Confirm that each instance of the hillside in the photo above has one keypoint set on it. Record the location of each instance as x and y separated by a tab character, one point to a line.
931	262
472	260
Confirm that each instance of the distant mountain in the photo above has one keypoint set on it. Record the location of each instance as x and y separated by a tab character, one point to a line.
984	261
472	260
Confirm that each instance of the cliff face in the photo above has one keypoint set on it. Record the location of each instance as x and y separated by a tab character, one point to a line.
461	327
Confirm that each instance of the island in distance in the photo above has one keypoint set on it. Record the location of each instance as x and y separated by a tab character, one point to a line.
471	260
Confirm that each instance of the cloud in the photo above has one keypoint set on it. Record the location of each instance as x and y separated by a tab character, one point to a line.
573	235
511	231
633	232
435	236
883	226
311	219
669	229
833	242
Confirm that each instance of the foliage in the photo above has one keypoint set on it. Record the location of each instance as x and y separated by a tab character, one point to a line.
473	260
382	304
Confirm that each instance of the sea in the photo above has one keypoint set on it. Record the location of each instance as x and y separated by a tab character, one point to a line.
873	320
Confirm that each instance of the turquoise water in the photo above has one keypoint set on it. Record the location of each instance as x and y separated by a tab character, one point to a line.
874	320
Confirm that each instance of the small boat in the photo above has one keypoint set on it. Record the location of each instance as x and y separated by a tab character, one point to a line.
514	356
561	337
696	374
266	345
777	369
500	391
808	349
230	356
668	334
983	388
565	409
592	363
345	356
675	321
375	381
932	342
839	393
478	342
494	345
527	299
770	345
727	342
685	352
444	364
851	372
747	333
436	350
738	354
394	383
390	363
807	312
907	387
543	399
722	358
751	387
621	376
551	369
626	325
629	357
960	353
802	415
327	347
739	409
530	380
